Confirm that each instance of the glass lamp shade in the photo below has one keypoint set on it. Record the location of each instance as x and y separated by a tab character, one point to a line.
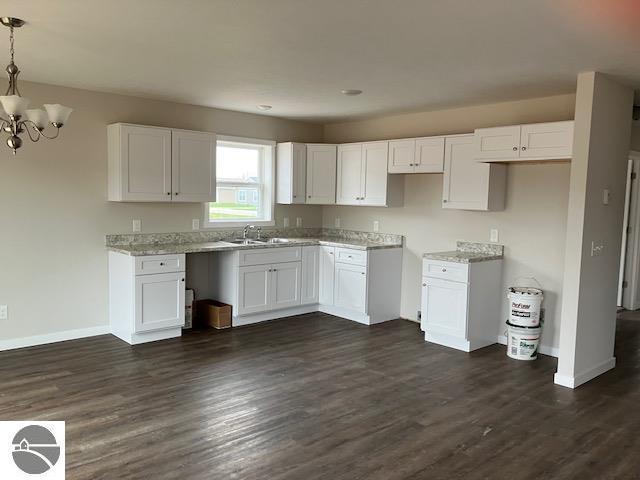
39	117
14	104
58	114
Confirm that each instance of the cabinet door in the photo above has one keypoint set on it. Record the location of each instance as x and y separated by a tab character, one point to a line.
321	174
349	190
402	156
444	307
350	287
374	176
285	285
552	141
327	272
299	173
253	289
310	275
145	163
465	180
497	143
429	155
193	166
159	301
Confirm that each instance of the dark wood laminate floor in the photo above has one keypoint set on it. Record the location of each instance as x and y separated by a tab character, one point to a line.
316	397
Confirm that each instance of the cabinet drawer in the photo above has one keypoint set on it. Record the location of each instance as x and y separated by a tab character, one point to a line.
159	264
354	257
457	272
263	256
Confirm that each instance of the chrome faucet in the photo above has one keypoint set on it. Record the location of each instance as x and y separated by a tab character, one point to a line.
246	229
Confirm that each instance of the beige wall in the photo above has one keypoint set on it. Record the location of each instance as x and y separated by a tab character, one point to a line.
54	213
600	154
532	227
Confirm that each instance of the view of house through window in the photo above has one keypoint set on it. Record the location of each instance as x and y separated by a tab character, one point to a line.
243	183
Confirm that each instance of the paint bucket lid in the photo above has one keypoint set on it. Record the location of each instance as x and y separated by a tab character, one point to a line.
532	329
525	291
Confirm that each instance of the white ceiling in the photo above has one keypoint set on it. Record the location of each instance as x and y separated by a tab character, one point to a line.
298	54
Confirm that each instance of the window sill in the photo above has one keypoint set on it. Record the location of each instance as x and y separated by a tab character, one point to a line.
235	224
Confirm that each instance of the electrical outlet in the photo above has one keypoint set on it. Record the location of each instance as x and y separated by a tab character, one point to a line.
137	225
285	222
376	225
336	222
299	222
4	312
195	224
494	235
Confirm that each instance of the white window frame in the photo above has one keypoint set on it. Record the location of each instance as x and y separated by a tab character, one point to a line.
268	186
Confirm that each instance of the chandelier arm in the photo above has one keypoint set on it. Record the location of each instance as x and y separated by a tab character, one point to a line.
26	124
41	132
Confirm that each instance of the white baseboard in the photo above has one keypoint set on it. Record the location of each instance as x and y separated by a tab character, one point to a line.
584	377
53	337
544	349
240	321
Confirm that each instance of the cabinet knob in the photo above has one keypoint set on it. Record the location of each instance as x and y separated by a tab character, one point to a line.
294	196
309	196
444	201
524	148
183	279
515	149
275	269
444	269
330	253
176	193
168	193
162	264
424	284
362	273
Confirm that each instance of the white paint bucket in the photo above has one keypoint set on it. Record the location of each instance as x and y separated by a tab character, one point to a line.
522	342
524	306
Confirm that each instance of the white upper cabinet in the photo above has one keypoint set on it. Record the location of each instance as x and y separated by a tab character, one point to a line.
321	174
363	178
469	184
291	173
416	155
517	143
153	164
429	156
193	166
139	163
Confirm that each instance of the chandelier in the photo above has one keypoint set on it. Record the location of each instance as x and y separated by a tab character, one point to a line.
15	105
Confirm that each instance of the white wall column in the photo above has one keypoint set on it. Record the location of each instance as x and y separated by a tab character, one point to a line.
600	152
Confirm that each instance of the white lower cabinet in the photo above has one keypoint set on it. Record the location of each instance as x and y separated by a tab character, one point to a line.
285	285
326	274
253	289
145	306
461	303
350	287
310	289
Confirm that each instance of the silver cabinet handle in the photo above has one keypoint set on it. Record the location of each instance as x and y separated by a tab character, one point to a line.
515	149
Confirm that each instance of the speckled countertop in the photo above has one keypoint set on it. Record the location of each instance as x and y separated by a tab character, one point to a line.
189	242
469	252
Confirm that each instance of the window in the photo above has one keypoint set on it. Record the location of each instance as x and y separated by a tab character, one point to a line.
244	174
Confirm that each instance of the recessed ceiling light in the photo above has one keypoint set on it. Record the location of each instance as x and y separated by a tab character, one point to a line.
351	91
264	108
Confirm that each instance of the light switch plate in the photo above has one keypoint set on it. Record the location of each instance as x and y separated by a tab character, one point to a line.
195	224
606	196
285	222
4	312
137	225
494	235
336	222
376	225
299	222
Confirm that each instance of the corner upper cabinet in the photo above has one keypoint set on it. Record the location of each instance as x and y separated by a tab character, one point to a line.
321	174
469	184
416	155
362	177
154	164
291	172
520	143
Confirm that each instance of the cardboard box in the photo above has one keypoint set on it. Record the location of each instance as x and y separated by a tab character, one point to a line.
211	313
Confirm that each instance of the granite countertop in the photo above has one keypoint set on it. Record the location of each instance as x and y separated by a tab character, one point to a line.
469	252
221	246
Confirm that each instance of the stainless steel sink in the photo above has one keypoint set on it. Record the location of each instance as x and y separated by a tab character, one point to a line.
278	240
246	241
